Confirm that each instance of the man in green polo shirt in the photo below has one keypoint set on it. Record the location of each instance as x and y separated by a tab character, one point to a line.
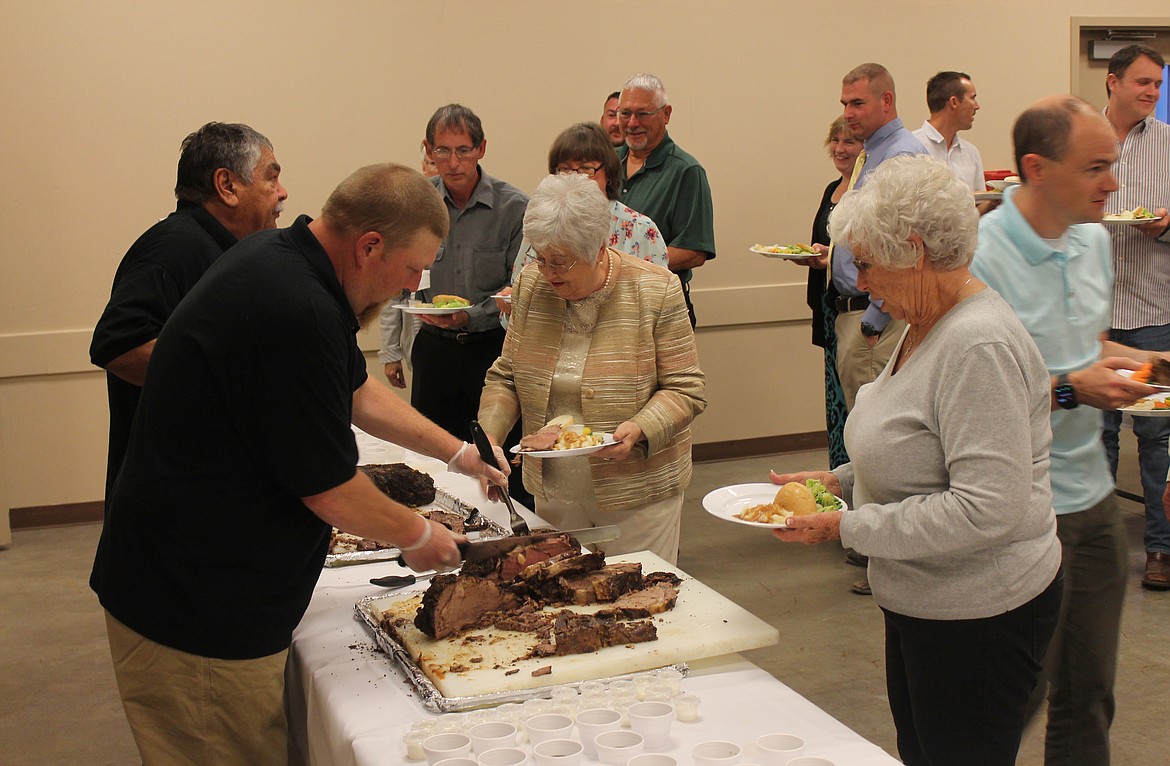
662	181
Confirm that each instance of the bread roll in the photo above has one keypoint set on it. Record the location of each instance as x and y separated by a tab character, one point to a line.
796	498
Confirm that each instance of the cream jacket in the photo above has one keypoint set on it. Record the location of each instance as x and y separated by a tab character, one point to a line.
642	366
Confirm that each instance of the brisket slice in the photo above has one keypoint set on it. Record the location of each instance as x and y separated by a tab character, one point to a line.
603	585
452	521
654	599
544	439
402	483
507	567
453	603
583	633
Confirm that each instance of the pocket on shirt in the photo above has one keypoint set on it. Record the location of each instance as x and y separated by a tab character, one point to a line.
489	268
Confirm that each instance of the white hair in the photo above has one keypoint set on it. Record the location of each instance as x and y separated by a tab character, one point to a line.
568	212
903	197
648	82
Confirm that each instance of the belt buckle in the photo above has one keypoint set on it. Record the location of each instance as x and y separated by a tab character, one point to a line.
463	336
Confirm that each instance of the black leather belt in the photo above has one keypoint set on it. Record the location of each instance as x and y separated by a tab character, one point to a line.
463	336
847	303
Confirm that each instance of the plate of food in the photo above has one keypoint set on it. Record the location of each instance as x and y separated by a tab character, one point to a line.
1000	184
988	196
1156	406
562	437
1154	373
763	504
792	252
1135	217
440	304
502	297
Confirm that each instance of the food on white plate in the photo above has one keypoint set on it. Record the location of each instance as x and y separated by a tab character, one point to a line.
797	249
1139	213
1150	404
448	302
793	499
561	433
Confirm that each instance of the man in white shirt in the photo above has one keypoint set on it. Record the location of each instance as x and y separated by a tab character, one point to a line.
950	96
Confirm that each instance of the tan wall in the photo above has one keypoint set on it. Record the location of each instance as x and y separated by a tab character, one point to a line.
98	95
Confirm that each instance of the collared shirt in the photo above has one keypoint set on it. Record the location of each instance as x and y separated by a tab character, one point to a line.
672	189
1141	294
962	158
890	140
475	260
1064	300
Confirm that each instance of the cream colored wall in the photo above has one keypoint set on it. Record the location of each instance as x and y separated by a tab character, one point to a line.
97	97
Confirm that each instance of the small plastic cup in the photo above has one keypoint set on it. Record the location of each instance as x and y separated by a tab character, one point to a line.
413	741
548	726
558	752
686	707
492	734
672	677
449	744
594	721
642	683
652	720
618	747
563	693
503	756
779	749
716	753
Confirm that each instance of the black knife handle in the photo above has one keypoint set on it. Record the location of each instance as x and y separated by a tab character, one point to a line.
479	438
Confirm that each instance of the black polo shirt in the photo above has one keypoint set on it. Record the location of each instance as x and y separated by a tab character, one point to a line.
247	407
158	270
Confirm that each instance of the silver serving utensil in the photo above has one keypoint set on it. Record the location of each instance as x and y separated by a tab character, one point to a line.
479	438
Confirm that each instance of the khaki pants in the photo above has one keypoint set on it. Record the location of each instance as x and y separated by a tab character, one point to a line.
187	710
857	363
654	527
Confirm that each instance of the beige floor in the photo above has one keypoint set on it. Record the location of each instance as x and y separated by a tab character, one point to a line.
59	704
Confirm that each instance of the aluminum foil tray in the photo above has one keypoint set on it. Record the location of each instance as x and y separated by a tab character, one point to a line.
444	501
432	699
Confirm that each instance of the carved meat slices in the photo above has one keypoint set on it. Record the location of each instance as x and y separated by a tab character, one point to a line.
544	439
581	633
453	603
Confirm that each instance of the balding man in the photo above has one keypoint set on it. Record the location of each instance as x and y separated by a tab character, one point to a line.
1141	265
1044	251
663	182
241	459
228	187
952	101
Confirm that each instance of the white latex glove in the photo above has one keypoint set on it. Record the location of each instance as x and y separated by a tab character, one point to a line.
467	462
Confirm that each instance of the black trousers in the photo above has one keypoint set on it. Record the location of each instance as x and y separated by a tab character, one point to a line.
959	689
448	371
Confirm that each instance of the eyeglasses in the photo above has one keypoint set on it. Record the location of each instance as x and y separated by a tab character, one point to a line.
462	153
555	268
625	114
584	170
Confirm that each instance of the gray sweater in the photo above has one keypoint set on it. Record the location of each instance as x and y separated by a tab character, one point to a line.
949	478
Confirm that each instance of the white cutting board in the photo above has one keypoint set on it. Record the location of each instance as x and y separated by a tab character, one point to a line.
702	624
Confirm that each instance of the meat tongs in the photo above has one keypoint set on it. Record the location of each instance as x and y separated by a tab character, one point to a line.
479	438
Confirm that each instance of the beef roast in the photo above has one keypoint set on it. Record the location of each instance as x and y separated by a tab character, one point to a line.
604	585
455	602
583	633
507	567
654	599
544	439
402	483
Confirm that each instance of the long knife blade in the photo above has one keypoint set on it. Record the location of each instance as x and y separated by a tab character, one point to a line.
475	551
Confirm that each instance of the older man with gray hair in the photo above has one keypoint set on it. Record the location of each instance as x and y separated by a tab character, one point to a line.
663	182
228	187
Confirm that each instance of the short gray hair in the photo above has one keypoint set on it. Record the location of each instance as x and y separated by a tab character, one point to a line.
216	145
905	196
648	82
568	212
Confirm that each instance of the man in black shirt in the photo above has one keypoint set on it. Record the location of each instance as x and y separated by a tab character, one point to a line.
240	459
228	187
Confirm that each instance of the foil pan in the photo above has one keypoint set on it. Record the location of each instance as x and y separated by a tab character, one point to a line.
444	501
432	699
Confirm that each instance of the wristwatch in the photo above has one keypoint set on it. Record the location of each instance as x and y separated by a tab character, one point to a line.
869	330
1066	395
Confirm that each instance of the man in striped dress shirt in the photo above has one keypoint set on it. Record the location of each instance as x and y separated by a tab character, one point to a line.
1141	264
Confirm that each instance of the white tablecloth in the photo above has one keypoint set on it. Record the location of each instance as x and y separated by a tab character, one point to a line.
350	706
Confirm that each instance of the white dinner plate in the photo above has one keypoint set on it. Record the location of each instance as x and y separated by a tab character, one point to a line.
725	502
986	196
426	309
788	256
607	439
1142	407
1114	220
1129	374
1000	184
505	298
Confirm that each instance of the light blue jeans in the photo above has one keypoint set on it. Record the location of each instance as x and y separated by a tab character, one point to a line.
1152	438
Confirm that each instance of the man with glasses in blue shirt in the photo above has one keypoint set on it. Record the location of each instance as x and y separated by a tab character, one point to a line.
452	352
663	182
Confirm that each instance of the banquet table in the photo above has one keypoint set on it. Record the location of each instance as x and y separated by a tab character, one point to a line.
350	705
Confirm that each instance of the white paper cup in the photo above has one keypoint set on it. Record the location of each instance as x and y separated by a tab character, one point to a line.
716	753
809	760
463	760
779	749
652	759
449	744
493	734
558	752
592	722
503	756
548	726
652	720
618	747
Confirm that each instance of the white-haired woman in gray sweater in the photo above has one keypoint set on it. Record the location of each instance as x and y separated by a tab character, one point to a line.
948	479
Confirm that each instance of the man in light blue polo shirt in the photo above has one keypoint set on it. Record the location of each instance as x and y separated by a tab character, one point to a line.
1044	251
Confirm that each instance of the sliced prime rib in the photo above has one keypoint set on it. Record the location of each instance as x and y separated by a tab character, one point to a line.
455	602
544	439
653	599
402	483
603	585
583	633
452	521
